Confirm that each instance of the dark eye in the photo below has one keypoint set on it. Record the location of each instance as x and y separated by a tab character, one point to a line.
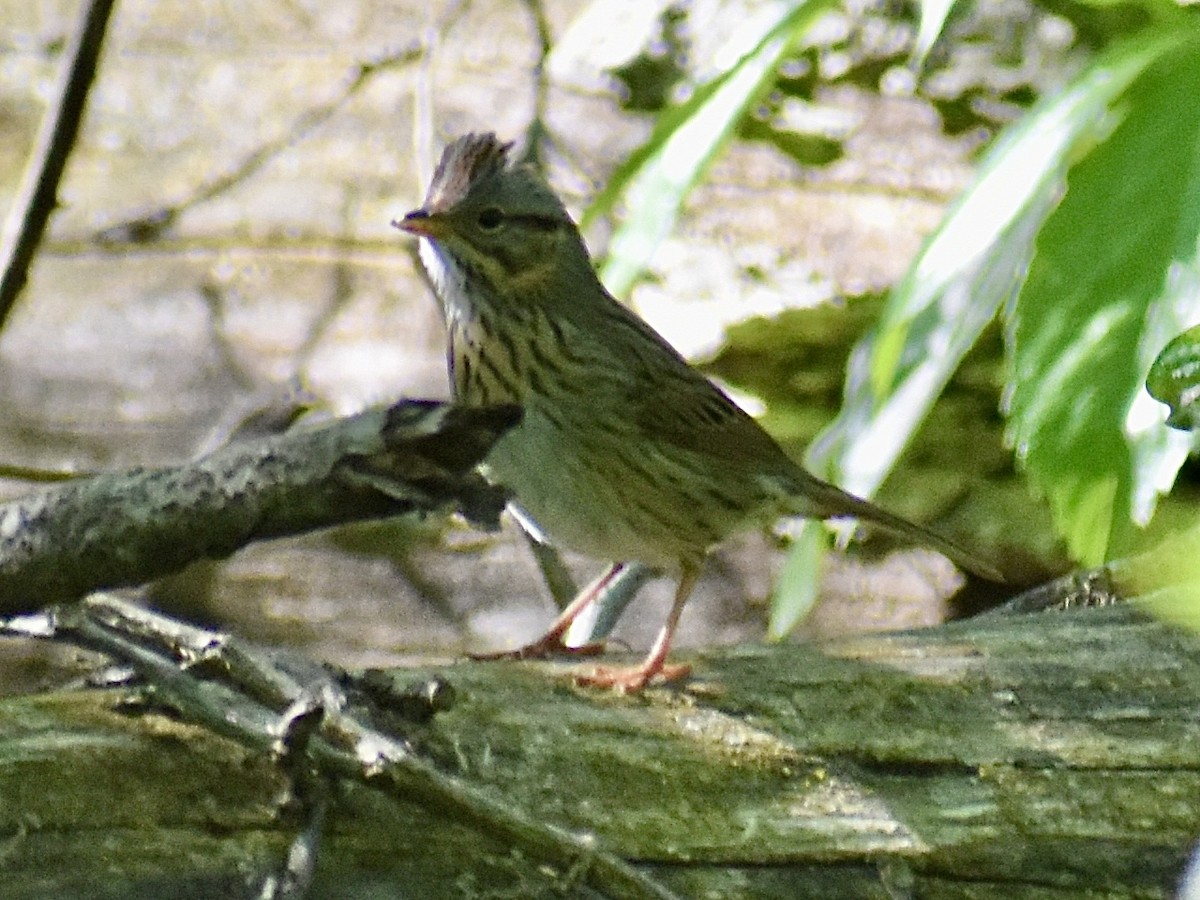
491	218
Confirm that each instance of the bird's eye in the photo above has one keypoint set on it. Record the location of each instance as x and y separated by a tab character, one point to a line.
491	218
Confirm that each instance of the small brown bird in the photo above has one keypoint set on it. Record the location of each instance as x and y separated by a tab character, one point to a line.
625	451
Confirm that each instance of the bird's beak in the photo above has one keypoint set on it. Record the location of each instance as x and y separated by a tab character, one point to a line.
421	223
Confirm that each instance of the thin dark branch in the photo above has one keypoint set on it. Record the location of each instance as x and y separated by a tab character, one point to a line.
148	226
537	130
37	196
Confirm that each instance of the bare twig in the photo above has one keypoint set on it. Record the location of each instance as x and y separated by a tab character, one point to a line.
37	196
148	226
537	130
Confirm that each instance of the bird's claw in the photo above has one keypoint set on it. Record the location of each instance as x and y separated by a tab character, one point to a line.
630	679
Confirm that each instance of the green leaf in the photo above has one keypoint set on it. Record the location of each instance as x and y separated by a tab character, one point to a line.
1113	278
933	20
799	580
1174	379
1165	580
968	269
656	178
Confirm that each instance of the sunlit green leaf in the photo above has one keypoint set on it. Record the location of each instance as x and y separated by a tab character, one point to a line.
1165	580
933	19
654	180
1112	280
798	581
969	269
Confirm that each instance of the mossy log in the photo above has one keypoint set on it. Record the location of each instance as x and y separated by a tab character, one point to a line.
1045	755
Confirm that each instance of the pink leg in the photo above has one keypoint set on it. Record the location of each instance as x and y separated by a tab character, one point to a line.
631	679
552	641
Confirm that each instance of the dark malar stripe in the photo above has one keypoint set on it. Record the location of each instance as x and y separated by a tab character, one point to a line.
461	372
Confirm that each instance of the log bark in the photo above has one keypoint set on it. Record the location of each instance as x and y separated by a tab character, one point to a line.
123	529
1045	755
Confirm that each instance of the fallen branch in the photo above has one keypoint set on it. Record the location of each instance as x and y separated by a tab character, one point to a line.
1044	755
124	529
317	724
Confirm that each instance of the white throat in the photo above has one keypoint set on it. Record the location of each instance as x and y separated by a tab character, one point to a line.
447	278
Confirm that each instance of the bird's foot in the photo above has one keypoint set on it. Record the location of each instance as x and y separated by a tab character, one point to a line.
550	645
630	679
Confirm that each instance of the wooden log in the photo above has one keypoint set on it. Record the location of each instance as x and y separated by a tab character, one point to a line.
123	529
1047	755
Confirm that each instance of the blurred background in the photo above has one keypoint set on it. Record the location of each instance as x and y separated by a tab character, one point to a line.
224	232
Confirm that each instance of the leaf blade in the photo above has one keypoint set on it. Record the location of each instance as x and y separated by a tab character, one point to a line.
657	177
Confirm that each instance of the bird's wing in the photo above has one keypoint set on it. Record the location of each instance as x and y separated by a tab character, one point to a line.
674	404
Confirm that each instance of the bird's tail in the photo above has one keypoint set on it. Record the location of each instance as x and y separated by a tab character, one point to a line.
820	499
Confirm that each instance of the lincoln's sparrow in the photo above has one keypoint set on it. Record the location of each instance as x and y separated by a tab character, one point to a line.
625	452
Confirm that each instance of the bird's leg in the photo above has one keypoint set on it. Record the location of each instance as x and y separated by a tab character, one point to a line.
552	641
631	679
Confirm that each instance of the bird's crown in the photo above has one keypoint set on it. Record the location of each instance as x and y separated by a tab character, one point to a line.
465	162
